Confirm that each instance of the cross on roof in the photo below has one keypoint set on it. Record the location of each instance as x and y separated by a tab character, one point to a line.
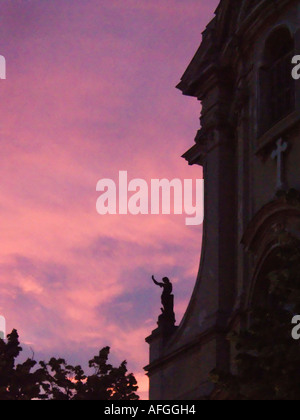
277	154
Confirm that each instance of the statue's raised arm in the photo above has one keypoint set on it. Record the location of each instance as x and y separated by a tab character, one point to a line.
157	283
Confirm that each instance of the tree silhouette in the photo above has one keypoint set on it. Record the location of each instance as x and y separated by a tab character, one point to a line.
56	380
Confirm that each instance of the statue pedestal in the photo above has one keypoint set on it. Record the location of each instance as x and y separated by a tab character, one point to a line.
159	338
166	320
158	342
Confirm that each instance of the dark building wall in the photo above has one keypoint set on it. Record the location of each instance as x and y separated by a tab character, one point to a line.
240	181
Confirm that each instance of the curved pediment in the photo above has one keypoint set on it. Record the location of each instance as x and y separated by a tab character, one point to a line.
248	6
279	216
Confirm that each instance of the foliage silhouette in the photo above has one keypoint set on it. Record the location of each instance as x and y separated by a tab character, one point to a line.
56	380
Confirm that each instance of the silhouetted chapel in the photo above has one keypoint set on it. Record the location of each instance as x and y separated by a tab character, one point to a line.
249	147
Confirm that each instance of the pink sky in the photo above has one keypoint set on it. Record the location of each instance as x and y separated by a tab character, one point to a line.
90	91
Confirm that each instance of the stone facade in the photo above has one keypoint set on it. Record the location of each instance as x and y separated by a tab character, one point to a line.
242	75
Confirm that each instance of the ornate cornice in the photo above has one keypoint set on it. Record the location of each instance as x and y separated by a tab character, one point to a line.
234	24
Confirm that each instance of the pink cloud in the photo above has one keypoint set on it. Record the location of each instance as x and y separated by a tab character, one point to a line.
90	91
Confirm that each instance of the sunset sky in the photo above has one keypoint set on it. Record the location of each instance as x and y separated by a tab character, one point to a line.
90	91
